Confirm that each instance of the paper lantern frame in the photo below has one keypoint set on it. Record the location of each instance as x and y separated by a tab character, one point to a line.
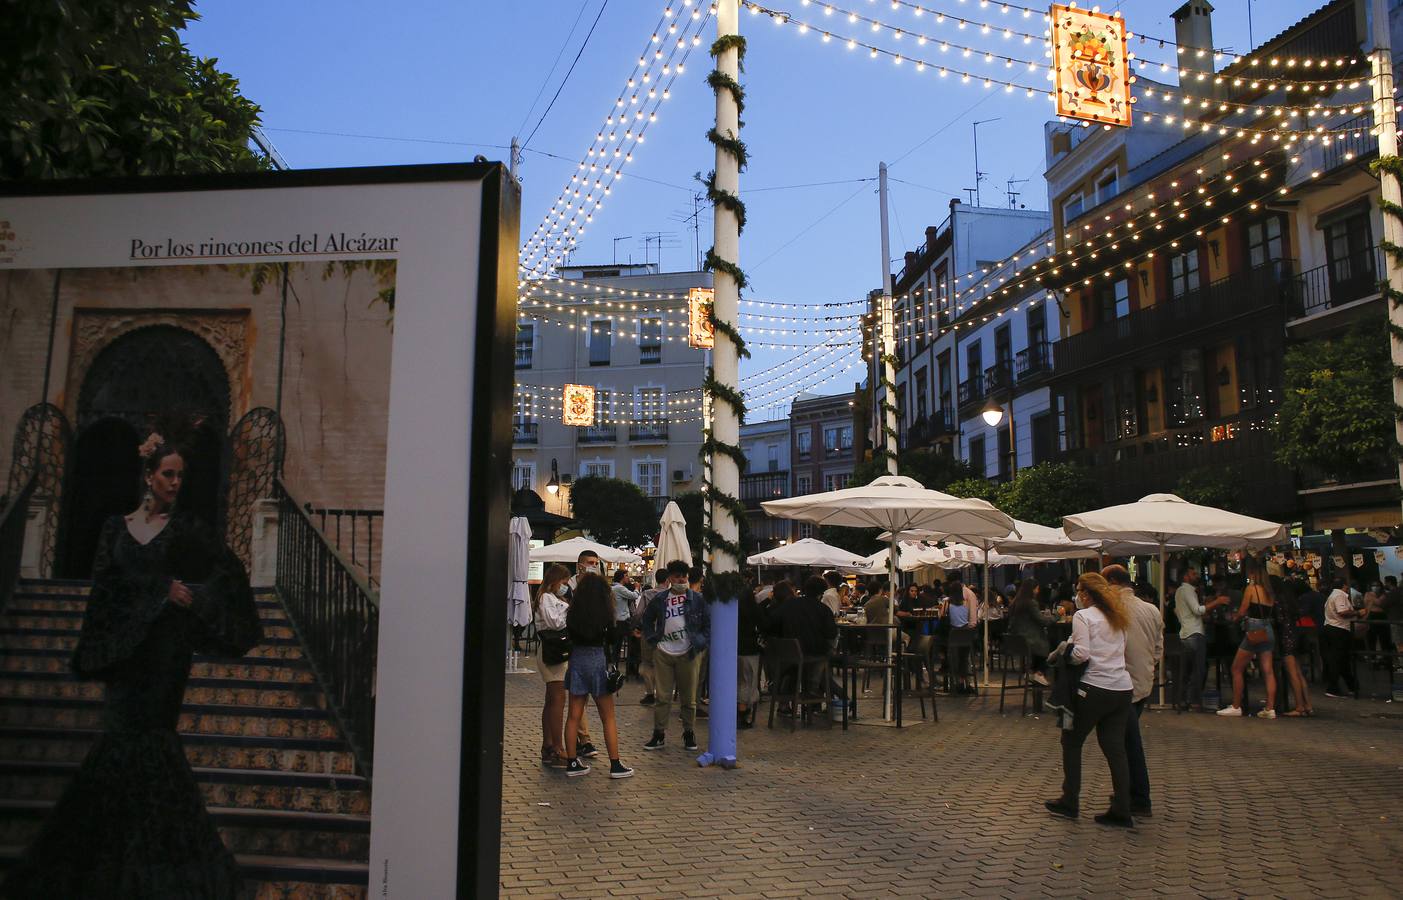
1091	65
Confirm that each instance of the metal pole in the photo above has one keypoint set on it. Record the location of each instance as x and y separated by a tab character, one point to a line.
1386	123
725	629
888	707
887	369
515	157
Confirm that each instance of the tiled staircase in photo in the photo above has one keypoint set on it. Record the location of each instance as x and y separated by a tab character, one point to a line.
278	779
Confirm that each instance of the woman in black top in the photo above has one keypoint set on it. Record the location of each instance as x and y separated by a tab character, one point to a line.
591	625
1258	609
1025	620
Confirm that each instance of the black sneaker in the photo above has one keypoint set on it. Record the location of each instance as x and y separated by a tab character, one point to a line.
689	741
657	741
1059	808
576	767
619	770
588	751
1115	821
1136	810
648	700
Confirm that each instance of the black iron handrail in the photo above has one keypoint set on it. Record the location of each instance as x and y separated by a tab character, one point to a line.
972	390
648	431
353	531
598	434
12	524
1336	283
1034	361
336	615
526	432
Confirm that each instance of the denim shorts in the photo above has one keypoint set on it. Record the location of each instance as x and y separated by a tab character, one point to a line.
1262	646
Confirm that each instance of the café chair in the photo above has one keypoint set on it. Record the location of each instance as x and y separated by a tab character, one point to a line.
1013	659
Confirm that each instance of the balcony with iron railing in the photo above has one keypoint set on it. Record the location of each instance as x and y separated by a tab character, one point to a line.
597	434
1268	287
757	487
654	431
650	354
928	429
999	376
1243	445
1033	363
1339	283
526	432
971	392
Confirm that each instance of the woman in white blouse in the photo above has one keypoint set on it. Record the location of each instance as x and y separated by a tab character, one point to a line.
549	611
1102	699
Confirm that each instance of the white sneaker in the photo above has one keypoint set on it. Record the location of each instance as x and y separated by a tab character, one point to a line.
1040	678
1230	711
1267	714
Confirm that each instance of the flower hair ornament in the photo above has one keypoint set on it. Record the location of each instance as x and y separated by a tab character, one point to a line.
152	443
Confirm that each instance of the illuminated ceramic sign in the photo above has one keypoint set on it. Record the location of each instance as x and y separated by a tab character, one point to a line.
1093	71
701	334
577	407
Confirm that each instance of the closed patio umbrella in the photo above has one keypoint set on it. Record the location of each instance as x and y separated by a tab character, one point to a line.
518	591
672	539
896	504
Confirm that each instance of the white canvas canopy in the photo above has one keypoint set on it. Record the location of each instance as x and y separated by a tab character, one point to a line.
569	551
1164	521
672	541
910	556
896	504
808	552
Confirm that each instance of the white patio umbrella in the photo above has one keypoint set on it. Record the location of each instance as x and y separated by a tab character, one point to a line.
896	504
808	552
518	591
1163	521
1026	542
672	541
910	556
569	551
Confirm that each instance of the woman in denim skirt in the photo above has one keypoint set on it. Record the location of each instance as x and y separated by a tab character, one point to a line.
592	625
1257	611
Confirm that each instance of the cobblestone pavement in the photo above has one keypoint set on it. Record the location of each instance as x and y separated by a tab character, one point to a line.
1243	808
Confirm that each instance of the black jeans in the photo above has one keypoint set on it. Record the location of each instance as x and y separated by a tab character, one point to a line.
1107	712
1336	646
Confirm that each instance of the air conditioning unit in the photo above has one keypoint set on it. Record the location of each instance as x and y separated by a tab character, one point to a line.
679	475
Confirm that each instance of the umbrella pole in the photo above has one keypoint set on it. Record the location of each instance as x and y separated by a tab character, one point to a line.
891	587
1163	659
984	615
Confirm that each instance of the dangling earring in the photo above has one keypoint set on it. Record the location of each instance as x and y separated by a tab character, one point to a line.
148	500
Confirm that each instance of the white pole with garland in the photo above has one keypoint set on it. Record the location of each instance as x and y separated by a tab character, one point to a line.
888	413
725	408
1390	167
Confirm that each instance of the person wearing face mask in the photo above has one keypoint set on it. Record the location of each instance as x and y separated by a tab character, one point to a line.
678	623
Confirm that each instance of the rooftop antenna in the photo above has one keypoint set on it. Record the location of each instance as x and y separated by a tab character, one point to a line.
1012	194
971	193
978	175
616	246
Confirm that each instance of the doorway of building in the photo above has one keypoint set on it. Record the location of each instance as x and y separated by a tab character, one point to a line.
161	377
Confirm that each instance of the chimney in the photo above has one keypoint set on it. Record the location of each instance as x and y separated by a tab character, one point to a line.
1193	29
931	233
910	261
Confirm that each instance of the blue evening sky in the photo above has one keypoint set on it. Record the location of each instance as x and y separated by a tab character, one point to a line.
356	83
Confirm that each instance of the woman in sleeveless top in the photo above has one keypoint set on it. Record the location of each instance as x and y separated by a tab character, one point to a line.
1257	612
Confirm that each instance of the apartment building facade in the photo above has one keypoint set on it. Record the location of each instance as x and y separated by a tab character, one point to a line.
622	330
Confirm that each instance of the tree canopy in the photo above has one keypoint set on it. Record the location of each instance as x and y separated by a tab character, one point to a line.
1046	492
614	511
1337	409
109	89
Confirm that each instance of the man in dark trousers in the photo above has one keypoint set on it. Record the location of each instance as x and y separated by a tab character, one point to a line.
677	623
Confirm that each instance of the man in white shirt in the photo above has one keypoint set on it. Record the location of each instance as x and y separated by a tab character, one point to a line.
1144	645
830	596
1337	639
1191	612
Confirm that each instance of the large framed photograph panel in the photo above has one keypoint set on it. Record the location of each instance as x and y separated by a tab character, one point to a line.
328	354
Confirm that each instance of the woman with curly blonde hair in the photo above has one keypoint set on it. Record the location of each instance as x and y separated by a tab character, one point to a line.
1102	699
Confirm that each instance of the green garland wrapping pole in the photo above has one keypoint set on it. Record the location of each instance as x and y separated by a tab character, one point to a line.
1389	167
721	447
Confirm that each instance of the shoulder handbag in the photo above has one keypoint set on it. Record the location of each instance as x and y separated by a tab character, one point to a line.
613	678
555	647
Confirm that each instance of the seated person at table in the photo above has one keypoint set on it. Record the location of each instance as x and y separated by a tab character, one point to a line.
955	614
878	608
807	620
907	603
844	597
1025	621
830	594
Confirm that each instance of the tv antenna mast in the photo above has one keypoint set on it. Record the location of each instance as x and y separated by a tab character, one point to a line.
978	175
1012	194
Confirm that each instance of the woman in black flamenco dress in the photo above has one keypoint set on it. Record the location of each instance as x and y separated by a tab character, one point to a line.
133	824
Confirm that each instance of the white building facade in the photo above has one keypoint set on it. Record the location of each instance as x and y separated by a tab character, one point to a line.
621	329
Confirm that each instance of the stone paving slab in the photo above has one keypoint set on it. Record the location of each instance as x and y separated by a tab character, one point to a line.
1243	808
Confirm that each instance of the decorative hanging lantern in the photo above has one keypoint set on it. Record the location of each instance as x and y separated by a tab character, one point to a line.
1092	69
577	406
701	334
